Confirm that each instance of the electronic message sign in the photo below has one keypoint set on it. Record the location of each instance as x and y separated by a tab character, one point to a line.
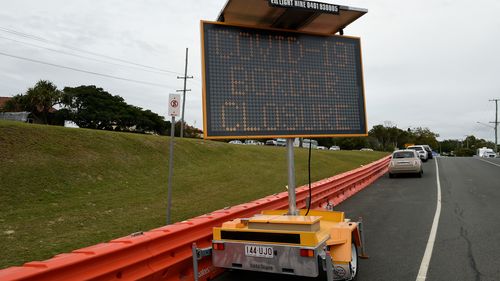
271	83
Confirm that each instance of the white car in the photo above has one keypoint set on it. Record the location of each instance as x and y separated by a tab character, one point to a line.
281	142
335	147
251	142
235	142
422	153
271	142
321	147
429	151
405	162
486	152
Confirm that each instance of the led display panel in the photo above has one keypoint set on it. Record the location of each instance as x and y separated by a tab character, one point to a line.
271	83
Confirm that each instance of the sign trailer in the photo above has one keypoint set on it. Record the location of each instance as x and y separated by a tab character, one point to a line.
274	68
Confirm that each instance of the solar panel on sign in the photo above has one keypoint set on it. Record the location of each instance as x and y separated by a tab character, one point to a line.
270	83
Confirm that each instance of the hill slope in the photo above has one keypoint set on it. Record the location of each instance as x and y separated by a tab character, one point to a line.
62	189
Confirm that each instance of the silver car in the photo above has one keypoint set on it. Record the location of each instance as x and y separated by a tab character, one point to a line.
405	162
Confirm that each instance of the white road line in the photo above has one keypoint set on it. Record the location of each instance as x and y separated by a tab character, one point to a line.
424	266
489	162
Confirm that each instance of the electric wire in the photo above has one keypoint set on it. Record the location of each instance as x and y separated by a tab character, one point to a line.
44	40
80	56
87	71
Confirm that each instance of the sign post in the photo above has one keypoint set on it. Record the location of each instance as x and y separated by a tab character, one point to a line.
173	111
292	202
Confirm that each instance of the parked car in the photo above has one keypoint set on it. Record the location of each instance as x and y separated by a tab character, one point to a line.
422	153
251	142
235	142
334	147
271	142
306	143
405	161
281	142
366	149
486	152
429	151
320	147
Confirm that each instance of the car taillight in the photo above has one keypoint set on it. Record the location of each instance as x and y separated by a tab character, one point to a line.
218	246
308	253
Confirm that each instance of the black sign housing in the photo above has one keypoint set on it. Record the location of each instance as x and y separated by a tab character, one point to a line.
272	83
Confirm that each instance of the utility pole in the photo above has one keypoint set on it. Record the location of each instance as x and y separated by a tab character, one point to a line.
184	92
496	124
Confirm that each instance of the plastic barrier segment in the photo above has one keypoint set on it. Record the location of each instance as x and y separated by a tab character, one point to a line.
165	253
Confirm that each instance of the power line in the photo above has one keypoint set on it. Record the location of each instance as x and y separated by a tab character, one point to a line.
80	56
41	39
86	71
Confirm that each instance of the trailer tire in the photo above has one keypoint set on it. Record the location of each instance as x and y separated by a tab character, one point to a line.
354	264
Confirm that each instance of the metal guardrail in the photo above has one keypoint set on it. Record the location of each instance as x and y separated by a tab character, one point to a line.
165	253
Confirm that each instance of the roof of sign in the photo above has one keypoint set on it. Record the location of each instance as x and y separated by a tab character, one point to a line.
305	16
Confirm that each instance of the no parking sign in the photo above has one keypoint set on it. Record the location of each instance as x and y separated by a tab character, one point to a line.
174	102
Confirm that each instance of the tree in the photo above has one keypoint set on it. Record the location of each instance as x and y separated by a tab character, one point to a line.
39	100
389	138
42	98
15	104
425	136
459	147
352	143
381	134
92	107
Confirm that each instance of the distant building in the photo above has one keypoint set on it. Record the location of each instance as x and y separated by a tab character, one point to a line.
16	116
3	101
22	116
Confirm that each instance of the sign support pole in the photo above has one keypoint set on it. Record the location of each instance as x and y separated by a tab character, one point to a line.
170	168
292	202
173	110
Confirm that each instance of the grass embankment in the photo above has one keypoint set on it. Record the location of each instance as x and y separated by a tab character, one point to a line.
63	189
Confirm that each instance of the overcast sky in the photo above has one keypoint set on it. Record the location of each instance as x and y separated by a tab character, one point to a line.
426	63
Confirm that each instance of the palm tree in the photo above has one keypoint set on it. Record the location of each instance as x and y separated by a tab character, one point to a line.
42	98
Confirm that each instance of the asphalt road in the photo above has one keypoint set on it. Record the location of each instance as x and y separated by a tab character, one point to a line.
398	215
468	240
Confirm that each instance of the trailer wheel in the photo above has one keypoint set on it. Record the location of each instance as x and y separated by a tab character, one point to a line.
353	265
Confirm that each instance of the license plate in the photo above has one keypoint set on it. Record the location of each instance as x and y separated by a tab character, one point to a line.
259	251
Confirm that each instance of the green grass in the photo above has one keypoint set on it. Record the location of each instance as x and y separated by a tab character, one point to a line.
63	189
